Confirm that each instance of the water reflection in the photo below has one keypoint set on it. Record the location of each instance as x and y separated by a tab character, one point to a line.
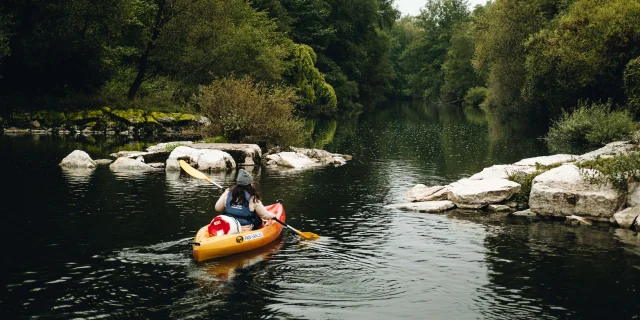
116	246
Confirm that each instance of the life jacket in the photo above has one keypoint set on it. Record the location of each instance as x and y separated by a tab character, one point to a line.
241	212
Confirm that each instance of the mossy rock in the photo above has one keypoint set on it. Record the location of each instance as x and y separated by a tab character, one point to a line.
131	116
93	115
174	118
151	119
49	118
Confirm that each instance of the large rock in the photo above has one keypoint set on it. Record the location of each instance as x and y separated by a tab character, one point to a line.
502	171
125	164
201	159
165	146
546	160
633	197
563	191
243	154
317	154
627	217
426	206
420	192
475	194
293	160
78	159
610	150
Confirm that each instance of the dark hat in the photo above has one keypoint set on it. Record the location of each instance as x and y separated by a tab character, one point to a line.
244	178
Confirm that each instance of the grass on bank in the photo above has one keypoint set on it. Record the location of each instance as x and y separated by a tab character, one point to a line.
619	170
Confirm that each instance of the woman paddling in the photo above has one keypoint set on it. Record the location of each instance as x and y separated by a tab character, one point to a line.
243	203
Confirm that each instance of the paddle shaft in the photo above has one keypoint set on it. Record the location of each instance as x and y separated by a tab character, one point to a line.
286	225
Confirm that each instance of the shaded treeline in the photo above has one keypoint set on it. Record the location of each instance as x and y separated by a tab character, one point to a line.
516	57
156	53
534	57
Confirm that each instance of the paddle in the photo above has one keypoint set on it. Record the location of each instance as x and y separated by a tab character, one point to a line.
304	235
197	174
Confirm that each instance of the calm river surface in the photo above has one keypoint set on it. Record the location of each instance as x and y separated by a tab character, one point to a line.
106	245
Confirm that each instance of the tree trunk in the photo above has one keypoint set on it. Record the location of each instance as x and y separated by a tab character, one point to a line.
144	59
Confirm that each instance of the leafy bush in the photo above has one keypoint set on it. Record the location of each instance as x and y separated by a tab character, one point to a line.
619	170
592	126
526	181
474	97
244	111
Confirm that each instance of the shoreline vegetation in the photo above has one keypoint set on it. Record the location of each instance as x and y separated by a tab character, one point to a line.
538	59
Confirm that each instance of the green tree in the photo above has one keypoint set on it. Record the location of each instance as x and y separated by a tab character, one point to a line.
502	32
583	53
194	41
459	75
316	95
58	48
423	59
404	32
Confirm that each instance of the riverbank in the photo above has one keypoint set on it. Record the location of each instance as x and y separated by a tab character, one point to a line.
558	186
104	121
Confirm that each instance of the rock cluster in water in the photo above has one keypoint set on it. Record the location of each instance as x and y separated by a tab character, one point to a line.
129	122
204	157
561	191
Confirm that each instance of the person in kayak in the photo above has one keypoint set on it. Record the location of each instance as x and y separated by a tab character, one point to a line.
243	203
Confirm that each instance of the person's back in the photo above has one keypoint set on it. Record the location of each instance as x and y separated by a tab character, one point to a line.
242	202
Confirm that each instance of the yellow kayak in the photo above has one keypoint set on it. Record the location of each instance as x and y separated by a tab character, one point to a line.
207	247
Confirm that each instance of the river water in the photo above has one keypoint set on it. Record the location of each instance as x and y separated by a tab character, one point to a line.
107	245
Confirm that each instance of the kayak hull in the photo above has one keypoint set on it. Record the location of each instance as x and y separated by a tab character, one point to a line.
207	247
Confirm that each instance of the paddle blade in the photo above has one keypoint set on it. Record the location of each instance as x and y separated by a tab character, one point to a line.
195	173
308	235
192	171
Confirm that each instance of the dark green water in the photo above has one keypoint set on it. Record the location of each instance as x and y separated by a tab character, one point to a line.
113	246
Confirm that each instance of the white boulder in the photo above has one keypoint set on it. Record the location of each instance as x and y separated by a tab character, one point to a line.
475	194
627	217
201	159
420	192
633	197
546	160
293	160
563	191
78	159
244	154
502	171
611	149
162	147
125	164
426	206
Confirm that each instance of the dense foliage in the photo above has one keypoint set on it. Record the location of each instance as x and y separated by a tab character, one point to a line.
241	110
590	125
155	53
535	59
